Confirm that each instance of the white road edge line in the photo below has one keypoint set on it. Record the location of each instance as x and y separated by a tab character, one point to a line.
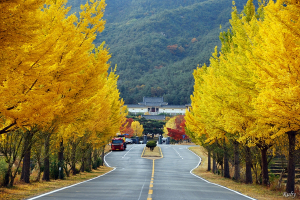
76	183
128	152
142	190
178	153
215	183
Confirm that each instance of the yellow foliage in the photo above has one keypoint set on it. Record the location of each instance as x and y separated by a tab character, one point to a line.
138	128
50	70
279	48
170	124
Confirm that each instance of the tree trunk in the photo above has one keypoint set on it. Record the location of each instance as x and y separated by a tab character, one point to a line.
61	160
46	175
264	162
82	164
95	159
7	175
280	179
236	161
25	176
89	159
209	161
73	158
214	164
13	175
102	156
38	177
248	166
226	163
290	185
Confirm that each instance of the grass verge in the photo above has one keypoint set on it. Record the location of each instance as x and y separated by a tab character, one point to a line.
253	190
155	153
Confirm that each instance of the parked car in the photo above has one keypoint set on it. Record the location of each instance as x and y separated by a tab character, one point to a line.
141	142
128	141
133	140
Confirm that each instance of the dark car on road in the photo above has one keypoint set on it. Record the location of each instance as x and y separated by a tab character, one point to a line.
133	140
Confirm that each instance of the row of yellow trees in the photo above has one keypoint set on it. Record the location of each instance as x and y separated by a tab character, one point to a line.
56	92
250	93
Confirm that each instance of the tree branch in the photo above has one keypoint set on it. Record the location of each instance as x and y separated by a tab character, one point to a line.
7	128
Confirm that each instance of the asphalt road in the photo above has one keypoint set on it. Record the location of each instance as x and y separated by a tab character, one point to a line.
136	178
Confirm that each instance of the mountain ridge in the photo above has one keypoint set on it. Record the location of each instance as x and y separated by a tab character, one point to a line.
157	44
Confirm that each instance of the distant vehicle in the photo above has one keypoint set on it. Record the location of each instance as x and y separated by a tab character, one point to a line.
128	141
141	142
118	144
133	140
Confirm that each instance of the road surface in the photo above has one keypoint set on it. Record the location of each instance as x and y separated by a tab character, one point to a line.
136	178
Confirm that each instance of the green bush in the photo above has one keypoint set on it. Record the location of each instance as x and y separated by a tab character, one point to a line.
151	145
55	173
54	169
3	169
97	163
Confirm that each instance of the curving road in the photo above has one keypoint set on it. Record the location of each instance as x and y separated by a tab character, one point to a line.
136	178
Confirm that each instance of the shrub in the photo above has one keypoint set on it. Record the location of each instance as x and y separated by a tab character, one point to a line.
97	163
55	173
3	169
151	145
54	169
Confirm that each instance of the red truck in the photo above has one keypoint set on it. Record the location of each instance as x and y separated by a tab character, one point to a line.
118	144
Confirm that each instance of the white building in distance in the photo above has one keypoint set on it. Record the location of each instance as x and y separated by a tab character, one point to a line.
156	106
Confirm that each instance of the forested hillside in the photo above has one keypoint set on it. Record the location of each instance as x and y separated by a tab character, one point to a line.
158	43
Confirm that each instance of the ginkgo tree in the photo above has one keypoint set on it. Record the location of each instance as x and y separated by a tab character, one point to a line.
278	74
137	128
52	76
224	91
51	67
249	93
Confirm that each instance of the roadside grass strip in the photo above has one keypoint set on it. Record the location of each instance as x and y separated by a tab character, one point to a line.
191	172
156	153
76	183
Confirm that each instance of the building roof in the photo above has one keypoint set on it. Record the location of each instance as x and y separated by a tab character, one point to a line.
153	101
163	106
156	102
134	106
154	117
174	106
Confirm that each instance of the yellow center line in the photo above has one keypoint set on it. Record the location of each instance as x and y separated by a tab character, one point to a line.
152	176
151	183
